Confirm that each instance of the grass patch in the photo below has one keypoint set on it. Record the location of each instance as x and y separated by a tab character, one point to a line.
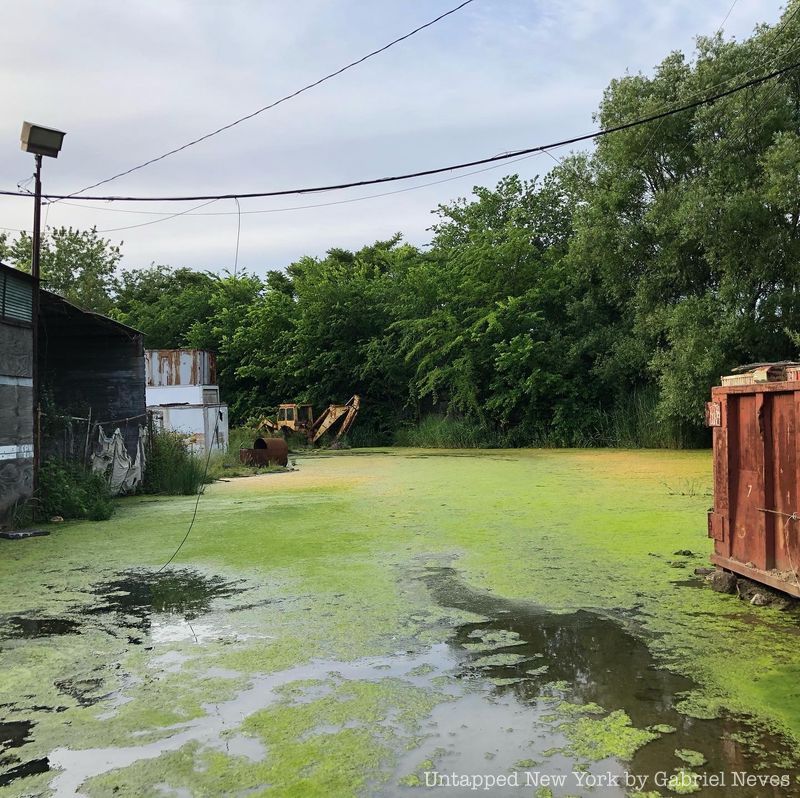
171	467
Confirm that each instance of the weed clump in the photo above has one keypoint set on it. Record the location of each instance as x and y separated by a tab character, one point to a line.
171	467
71	491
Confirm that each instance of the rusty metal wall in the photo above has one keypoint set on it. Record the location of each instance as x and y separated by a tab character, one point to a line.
756	481
169	367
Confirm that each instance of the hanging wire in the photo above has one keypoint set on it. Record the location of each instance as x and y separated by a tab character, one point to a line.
238	234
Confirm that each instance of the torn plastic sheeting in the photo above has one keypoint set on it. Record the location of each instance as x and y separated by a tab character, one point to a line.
111	459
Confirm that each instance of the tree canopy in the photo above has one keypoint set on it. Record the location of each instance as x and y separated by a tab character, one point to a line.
594	305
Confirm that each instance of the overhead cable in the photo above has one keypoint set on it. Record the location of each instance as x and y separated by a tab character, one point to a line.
438	170
271	105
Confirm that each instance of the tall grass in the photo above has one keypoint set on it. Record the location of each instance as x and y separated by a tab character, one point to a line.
632	423
171	468
635	423
442	432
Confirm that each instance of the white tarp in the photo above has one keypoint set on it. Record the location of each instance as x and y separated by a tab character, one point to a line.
111	458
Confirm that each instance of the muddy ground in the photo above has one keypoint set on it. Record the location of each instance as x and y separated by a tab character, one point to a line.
352	627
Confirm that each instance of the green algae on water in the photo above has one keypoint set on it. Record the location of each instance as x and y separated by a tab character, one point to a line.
662	728
568	709
691	758
540	671
613	736
494	660
344	545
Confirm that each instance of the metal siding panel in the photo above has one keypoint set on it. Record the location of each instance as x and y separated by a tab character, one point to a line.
17	297
16	484
85	366
174	395
782	465
16	350
173	367
18	303
766	551
721	487
16	415
747	532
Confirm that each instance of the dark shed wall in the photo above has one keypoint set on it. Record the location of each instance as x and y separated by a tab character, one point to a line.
16	385
88	362
16	416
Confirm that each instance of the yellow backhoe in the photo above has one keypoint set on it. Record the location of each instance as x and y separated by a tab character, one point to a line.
293	417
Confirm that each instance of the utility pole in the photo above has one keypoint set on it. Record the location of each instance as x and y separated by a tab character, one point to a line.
35	262
38	141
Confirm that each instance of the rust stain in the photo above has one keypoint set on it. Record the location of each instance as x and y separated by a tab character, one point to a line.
164	367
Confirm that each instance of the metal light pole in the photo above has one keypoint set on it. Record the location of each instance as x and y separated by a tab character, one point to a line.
37	219
39	141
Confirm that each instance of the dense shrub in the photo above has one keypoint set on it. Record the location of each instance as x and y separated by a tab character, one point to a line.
72	491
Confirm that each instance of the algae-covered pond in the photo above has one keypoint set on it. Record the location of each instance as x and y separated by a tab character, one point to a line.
377	623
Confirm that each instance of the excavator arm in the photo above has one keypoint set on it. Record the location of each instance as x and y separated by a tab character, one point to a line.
345	413
268	425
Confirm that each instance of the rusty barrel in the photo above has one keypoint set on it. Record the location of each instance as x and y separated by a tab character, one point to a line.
266	452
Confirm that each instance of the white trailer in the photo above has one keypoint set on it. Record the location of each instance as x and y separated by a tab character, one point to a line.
183	395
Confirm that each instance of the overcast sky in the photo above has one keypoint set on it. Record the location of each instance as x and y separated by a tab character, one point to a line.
128	81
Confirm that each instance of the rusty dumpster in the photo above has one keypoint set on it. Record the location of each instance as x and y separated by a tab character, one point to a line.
755	521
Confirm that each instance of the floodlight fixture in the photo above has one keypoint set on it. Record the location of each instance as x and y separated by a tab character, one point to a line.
40	140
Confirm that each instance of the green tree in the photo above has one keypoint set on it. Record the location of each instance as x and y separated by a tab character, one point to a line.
164	303
76	264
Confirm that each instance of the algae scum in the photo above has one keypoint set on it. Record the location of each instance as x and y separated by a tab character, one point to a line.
515	689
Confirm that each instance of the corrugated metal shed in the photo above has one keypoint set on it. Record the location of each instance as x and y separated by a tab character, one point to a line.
92	366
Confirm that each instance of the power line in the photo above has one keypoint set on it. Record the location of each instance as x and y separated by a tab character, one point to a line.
153	221
200	492
440	170
166	215
280	101
187	213
730	10
238	234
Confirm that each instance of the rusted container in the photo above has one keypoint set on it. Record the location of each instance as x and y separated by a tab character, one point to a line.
171	367
266	452
755	522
